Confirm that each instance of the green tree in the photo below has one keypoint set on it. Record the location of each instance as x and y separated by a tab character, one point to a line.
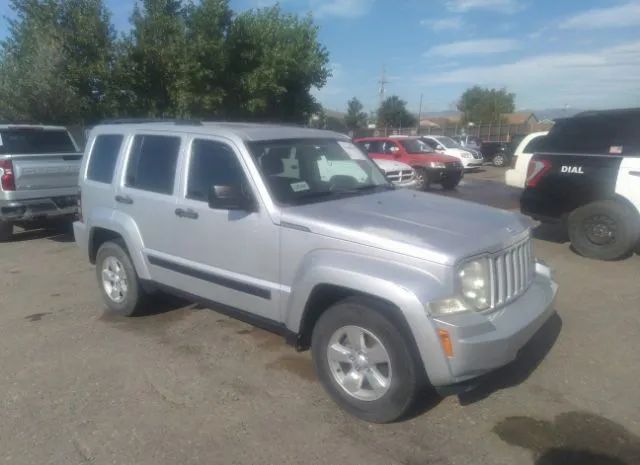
393	113
274	60
482	105
355	118
55	61
152	61
202	88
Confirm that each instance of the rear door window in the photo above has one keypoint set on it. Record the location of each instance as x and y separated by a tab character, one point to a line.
19	141
152	163
103	157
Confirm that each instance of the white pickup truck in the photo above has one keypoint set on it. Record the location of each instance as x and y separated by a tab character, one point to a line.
39	168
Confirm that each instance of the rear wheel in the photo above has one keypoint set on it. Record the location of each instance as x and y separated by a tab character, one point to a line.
364	361
118	281
422	179
6	231
604	230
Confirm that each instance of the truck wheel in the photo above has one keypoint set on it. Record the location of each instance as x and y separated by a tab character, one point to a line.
118	281
451	183
499	160
604	230
422	179
364	361
6	231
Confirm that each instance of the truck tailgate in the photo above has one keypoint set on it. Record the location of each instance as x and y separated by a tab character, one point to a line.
38	172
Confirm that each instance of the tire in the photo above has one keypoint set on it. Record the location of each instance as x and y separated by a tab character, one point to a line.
604	230
450	184
403	373
423	183
112	256
6	231
499	160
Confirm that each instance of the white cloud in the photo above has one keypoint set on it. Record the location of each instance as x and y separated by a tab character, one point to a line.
341	8
500	6
474	47
599	78
444	24
626	15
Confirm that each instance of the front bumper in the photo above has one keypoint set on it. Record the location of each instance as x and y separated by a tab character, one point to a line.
471	163
484	342
80	235
34	209
438	175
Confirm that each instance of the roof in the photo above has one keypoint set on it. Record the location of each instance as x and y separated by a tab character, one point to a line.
624	112
32	126
244	131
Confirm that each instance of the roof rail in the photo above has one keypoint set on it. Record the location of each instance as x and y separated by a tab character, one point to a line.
177	121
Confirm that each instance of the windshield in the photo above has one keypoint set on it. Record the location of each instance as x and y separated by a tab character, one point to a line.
415	146
299	171
448	142
19	141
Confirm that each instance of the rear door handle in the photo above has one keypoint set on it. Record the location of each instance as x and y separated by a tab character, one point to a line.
124	199
182	213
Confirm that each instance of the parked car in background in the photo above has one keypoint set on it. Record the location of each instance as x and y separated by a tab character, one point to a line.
588	178
469	142
431	167
532	143
400	174
470	159
497	153
38	176
391	290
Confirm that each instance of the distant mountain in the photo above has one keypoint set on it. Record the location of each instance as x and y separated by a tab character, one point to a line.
554	113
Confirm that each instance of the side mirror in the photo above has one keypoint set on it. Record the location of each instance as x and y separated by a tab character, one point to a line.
229	198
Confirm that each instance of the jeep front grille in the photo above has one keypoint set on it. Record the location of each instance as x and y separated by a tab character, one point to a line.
512	272
400	176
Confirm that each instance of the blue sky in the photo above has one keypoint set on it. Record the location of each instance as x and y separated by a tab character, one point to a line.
551	53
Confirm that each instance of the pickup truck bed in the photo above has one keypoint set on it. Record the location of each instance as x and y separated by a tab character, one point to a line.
39	168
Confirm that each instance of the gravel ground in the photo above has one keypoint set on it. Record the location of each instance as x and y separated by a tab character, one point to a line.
187	385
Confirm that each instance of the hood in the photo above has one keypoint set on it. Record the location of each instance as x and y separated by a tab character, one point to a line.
391	165
421	225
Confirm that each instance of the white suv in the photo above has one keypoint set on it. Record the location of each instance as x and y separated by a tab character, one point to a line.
448	146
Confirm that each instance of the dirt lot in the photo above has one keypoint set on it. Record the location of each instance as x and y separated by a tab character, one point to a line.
190	386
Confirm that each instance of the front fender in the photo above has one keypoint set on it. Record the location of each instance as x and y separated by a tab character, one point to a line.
407	287
126	227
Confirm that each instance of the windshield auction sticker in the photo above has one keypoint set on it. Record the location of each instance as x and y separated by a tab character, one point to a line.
299	186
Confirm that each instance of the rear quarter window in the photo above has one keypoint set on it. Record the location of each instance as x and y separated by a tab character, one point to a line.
103	157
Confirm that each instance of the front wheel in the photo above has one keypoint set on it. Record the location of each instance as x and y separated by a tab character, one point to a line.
422	179
364	361
118	280
604	230
450	184
499	160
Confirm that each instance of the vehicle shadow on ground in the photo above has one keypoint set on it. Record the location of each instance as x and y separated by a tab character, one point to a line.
572	438
530	356
52	234
551	232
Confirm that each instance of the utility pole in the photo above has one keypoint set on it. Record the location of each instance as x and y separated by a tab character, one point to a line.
383	82
419	116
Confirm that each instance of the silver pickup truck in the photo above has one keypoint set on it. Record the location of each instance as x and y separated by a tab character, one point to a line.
39	168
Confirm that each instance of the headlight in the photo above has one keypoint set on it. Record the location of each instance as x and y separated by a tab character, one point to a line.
474	285
437	165
466	155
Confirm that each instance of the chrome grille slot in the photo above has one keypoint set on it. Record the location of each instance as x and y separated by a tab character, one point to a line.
512	271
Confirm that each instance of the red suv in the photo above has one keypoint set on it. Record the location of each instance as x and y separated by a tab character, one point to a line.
431	167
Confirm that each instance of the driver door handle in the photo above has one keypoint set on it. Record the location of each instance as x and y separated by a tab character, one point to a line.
188	213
